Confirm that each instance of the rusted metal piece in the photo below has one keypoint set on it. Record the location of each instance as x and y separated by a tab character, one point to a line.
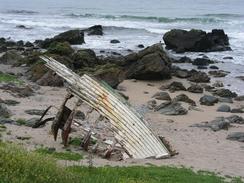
86	141
61	117
40	122
67	126
130	129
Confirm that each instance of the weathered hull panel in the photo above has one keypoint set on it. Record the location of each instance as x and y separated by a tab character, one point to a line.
129	127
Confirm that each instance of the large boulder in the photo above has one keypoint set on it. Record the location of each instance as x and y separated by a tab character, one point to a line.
199	77
60	48
196	40
72	36
225	93
171	108
152	63
84	58
94	30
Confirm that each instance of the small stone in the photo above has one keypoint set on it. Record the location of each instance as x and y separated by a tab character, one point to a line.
236	136
114	41
195	89
161	96
208	100
213	67
37	112
224	108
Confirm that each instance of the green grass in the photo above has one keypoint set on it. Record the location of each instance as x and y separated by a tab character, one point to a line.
20	166
21	121
60	155
6	78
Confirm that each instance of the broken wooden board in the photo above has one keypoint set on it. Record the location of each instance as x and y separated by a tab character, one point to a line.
129	127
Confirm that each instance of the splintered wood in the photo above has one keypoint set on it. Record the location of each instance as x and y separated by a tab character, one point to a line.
129	128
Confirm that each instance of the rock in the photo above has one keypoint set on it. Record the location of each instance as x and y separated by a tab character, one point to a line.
31	122
22	27
84	58
195	88
218	84
213	67
171	108
72	37
181	73
199	77
151	104
4	111
235	119
161	96
224	108
24	91
240	77
11	102
114	41
29	44
184	98
4	120
37	112
216	125
202	62
50	79
110	73
10	57
208	100
218	74
140	46
202	67
237	110
196	40
60	48
225	100
236	136
174	86
95	30
225	93
152	63
228	58
184	60
239	98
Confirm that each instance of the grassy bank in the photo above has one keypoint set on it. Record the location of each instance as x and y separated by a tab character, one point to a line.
20	166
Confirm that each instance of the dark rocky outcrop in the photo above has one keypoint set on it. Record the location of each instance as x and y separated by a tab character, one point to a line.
208	100
152	63
94	30
196	40
60	48
84	58
218	74
202	62
72	37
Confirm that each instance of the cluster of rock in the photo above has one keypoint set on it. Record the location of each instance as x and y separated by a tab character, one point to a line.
196	40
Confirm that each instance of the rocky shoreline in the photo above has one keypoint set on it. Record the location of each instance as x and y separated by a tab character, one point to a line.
198	115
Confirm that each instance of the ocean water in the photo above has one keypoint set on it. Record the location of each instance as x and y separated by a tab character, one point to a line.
133	22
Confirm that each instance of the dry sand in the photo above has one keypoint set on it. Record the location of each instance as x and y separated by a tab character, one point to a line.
198	148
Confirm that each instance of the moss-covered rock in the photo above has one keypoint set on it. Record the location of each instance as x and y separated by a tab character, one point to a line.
84	58
112	74
60	48
11	57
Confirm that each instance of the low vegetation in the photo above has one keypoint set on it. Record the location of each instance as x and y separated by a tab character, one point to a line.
7	78
60	155
19	166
